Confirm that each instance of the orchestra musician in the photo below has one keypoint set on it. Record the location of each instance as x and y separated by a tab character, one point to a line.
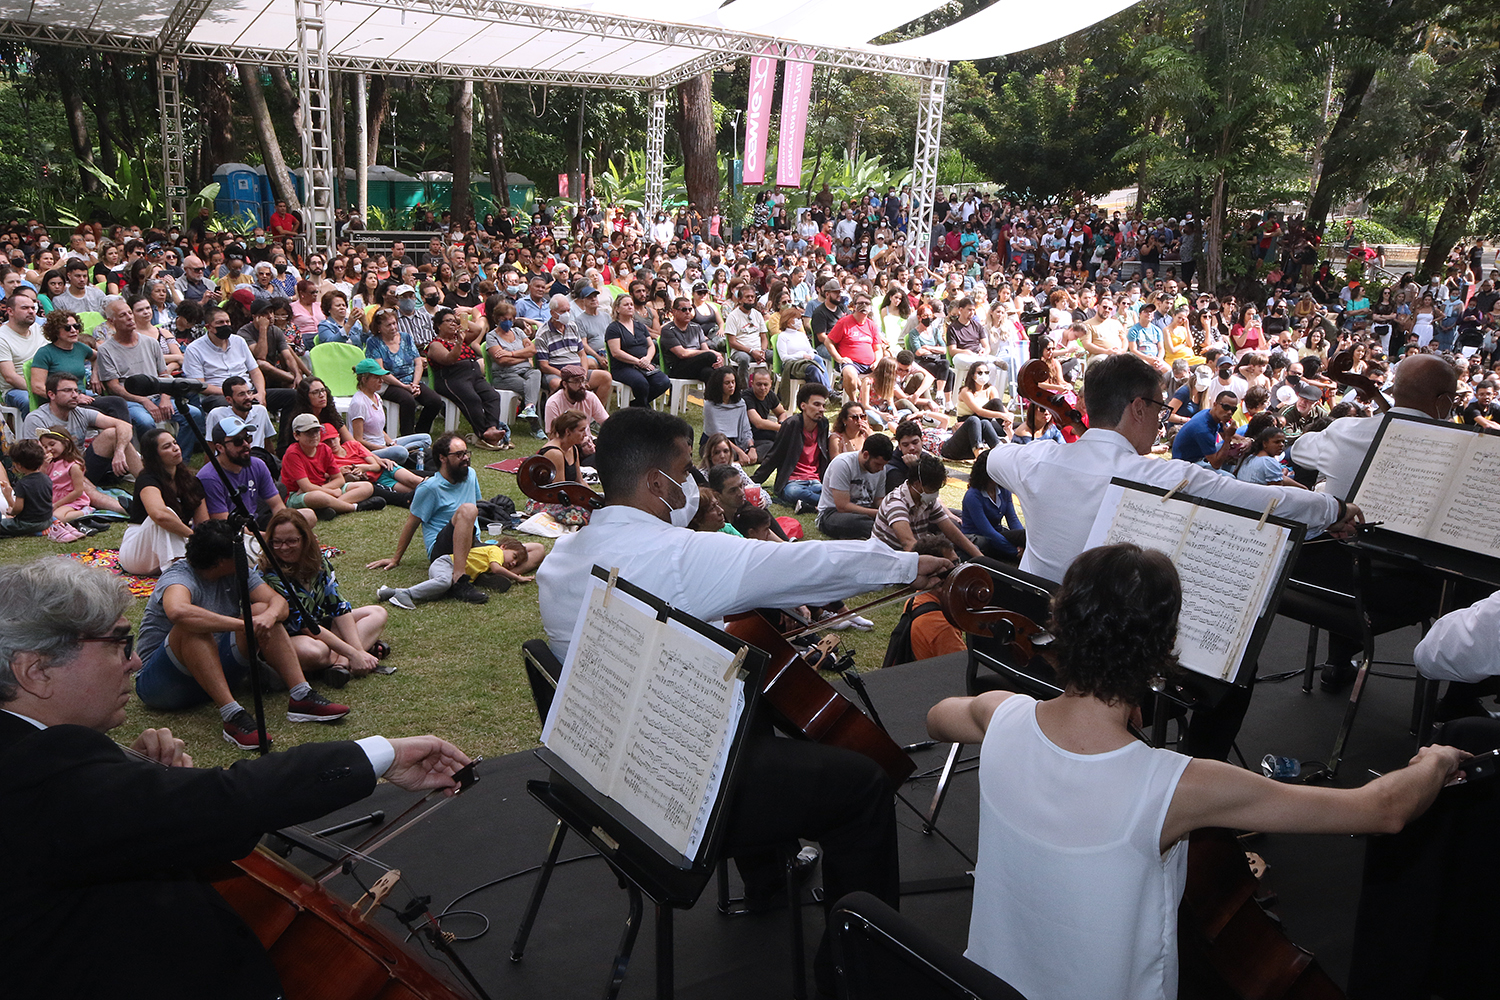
99	897
788	788
1061	486
1083	828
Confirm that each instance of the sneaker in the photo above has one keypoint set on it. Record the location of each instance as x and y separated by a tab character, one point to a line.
467	592
539	434
399	598
240	732
861	623
824	621
374	503
314	708
327	513
493	581
529	413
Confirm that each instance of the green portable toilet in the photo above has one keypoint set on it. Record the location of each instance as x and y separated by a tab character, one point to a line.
378	186
522	191
437	189
406	191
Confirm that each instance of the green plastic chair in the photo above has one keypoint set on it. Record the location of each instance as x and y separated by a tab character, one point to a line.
36	401
334	363
89	320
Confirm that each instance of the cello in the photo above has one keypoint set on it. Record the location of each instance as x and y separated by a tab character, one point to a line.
806	705
1339	370
1228	946
1029	382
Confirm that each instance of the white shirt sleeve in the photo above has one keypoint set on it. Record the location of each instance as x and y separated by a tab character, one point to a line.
382	755
1463	645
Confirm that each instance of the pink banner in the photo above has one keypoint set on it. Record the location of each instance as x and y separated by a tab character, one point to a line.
562	185
796	85
758	113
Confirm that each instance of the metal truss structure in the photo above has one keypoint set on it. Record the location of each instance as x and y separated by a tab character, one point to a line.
313	60
924	160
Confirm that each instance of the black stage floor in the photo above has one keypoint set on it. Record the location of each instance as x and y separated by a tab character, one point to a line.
498	830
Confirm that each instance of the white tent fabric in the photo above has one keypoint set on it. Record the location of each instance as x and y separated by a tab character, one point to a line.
1007	26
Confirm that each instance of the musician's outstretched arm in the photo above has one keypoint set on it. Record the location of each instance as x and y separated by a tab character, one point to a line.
964	720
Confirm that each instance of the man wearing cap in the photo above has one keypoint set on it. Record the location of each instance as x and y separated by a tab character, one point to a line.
124	353
109	454
589	318
312	477
234	273
411	318
574	394
1304	410
827	313
233	439
446	508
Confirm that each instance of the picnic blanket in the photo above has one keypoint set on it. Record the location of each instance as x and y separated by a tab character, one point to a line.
143	586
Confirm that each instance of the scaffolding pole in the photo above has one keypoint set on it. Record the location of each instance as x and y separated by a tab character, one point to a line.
656	134
173	138
924	167
317	126
362	139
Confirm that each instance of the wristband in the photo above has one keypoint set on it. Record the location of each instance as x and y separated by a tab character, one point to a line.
1343	510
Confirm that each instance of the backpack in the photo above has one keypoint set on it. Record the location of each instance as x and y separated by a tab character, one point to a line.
899	650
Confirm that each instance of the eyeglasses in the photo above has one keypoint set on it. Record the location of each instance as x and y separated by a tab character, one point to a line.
127	641
72	326
1164	414
456	454
285	543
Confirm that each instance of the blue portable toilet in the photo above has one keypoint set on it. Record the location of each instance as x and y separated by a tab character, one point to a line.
239	192
268	196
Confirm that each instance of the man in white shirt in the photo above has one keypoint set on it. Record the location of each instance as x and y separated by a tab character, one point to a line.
216	357
1425	387
787	788
746	339
1061	488
19	341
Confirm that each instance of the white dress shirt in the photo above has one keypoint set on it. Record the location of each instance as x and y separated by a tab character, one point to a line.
1463	645
1061	486
707	574
1338	450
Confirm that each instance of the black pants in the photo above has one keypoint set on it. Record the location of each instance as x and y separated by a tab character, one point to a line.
464	383
695	367
971	434
643	387
937	366
431	403
842	525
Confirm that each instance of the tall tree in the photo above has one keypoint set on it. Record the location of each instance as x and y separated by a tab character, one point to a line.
378	107
493	96
216	111
461	142
73	108
1477	160
265	133
700	155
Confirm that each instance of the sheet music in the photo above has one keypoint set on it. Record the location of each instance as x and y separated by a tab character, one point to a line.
1406	484
644	714
1227	565
1471	517
670	770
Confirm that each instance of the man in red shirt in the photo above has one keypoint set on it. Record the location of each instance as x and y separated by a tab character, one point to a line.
823	239
854	343
284	223
313	478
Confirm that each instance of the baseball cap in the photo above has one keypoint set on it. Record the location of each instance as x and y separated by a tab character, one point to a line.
231	427
401	290
584	290
330	432
369	366
243	295
304	422
1201	377
832	285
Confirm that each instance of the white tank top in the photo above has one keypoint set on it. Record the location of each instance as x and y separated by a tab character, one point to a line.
1073	899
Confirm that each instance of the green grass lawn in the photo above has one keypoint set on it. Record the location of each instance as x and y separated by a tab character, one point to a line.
459	666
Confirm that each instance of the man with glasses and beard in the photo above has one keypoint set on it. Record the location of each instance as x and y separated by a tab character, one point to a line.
683	345
746	339
854	345
249	476
445	506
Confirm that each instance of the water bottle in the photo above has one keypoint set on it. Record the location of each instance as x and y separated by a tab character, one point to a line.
1280	768
421	459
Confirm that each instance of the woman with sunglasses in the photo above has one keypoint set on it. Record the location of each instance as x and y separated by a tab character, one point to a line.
982	421
65	352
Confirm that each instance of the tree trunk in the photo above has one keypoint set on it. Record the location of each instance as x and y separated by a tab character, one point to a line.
127	131
493	95
1213	263
379	106
336	136
461	142
78	124
1339	150
265	132
218	117
1477	161
700	154
1142	179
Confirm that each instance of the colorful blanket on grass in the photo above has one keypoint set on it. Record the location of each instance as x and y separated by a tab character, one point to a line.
143	586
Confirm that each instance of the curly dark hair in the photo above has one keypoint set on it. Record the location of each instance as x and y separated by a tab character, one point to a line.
1115	619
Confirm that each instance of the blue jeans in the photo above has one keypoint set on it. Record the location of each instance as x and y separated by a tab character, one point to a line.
806	490
140	418
400	452
166	686
20	399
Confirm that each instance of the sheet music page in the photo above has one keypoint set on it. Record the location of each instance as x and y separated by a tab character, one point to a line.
1147	520
596	693
1227	566
678	741
1407	482
1471	517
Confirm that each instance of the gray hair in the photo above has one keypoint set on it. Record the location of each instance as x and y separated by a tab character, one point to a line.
110	300
560	303
51	603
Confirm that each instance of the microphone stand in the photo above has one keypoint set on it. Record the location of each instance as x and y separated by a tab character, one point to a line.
243	519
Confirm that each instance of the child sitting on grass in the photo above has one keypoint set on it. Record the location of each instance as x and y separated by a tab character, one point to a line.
30	499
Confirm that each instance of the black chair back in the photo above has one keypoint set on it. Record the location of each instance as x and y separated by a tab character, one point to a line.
542	672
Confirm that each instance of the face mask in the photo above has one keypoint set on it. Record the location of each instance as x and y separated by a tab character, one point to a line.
43	244
929	498
260	241
463	286
90	245
515	289
681	516
505	325
407	306
431	300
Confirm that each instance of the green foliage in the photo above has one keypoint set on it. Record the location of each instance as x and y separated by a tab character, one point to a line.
1374	233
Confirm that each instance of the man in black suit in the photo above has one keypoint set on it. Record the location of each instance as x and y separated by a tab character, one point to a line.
98	898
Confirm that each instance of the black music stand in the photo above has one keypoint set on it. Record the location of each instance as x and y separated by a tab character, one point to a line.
645	864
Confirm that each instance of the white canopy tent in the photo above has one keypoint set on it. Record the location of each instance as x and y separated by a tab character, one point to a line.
609	44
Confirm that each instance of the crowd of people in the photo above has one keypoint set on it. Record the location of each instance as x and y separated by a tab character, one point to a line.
836	379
